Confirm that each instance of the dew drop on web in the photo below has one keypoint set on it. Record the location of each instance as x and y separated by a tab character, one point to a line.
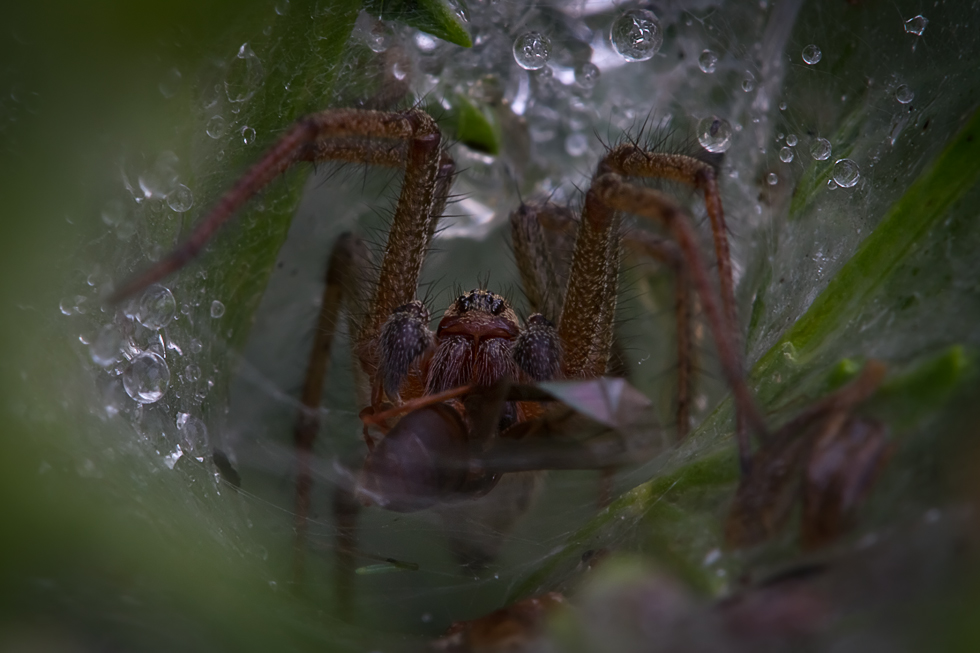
636	35
714	134
147	378
532	50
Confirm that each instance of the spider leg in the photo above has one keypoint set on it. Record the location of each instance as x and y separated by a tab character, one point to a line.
619	195
345	274
336	134
632	161
586	323
535	261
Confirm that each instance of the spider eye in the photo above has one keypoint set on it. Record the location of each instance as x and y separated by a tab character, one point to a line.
497	307
462	305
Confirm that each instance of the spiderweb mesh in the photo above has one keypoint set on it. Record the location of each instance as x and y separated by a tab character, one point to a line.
124	423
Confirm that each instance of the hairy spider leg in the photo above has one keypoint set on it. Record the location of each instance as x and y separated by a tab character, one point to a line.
538	264
304	142
630	160
585	327
535	259
616	194
345	278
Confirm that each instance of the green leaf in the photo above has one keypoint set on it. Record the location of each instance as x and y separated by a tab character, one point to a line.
925	202
475	126
435	17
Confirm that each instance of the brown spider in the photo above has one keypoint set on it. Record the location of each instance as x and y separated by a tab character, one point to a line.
449	388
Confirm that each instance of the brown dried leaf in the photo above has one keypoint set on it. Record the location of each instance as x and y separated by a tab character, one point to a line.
514	628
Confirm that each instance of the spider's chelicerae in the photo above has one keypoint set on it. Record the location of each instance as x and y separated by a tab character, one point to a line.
447	389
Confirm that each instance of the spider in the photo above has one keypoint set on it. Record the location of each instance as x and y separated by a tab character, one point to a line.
448	390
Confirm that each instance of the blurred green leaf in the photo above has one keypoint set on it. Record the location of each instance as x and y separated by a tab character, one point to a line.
435	17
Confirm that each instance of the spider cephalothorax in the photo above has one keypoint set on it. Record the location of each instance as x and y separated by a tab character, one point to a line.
479	342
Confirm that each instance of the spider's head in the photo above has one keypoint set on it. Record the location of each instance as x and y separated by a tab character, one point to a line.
480	314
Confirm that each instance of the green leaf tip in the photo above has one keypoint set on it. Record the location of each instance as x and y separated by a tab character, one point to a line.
476	127
926	387
435	17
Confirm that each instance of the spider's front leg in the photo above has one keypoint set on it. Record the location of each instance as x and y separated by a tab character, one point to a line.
617	194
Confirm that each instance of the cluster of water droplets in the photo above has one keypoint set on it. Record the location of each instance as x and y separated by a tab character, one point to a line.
147	356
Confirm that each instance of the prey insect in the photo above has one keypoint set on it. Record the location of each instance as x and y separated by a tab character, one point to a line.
438	406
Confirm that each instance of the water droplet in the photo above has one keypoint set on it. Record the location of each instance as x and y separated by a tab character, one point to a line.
532	50
248	135
576	144
180	199
782	106
105	350
216	127
831	184
846	173
786	155
193	435
282	7
170	83
587	75
244	76
157	307
708	61
372	32
904	94
192	373
748	84
714	134
820	149
916	25
161	178
772	179
636	35
791	140
66	306
812	54
425	43
398	71
378	41
196	346
147	377
217	309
